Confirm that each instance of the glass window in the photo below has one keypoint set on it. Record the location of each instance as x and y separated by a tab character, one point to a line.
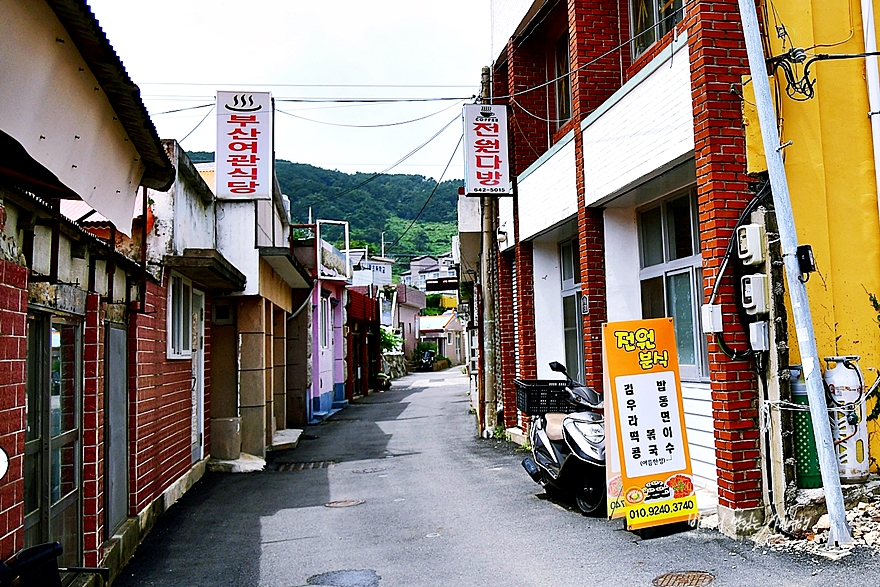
563	79
651	20
325	323
671	277
179	318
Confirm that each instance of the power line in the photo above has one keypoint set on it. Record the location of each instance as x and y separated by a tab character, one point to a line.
431	195
208	113
228	85
395	164
367	125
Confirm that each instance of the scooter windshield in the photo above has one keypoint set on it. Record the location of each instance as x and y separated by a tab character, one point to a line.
588	395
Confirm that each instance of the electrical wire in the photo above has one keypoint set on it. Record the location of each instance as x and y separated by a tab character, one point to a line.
227	84
205	117
368	125
433	191
393	165
184	109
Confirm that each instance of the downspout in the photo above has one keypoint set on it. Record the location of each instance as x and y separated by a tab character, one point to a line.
872	78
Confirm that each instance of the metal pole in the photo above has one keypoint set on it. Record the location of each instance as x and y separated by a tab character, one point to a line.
487	276
839	532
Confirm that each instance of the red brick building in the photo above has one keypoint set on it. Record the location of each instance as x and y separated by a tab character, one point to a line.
627	143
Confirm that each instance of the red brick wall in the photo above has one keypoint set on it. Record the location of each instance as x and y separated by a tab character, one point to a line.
718	60
525	293
507	333
159	420
527	69
13	374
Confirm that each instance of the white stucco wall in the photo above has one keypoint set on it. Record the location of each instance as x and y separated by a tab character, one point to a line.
642	127
622	265
235	240
548	190
549	342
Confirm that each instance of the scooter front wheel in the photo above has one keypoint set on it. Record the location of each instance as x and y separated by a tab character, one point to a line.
590	496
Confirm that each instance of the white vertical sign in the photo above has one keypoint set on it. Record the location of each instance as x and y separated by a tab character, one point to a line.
486	166
244	145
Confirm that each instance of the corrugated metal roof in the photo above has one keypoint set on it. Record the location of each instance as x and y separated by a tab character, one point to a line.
124	96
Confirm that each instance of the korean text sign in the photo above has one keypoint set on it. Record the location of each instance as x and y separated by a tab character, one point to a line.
244	145
653	483
486	167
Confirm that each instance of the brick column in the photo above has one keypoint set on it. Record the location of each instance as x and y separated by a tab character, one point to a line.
13	377
525	322
93	432
718	60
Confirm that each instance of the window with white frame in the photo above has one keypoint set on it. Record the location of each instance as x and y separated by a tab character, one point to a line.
326	322
651	20
671	276
572	322
179	317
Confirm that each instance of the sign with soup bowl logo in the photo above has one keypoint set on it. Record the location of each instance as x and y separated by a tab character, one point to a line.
649	479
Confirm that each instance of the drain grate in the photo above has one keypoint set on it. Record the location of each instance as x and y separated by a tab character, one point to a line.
304	466
684	579
345	503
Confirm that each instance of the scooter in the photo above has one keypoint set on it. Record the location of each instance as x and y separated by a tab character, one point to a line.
568	450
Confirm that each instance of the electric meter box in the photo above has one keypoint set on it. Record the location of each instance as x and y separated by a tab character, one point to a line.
750	243
755	293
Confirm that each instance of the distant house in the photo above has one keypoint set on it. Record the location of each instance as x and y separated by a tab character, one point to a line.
368	270
447	332
400	308
425	268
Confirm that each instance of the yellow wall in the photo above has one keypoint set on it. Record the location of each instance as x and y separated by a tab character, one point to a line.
831	177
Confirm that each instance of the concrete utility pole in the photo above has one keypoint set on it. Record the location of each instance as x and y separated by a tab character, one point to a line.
839	532
487	276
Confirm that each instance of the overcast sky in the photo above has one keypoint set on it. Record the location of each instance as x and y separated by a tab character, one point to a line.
181	51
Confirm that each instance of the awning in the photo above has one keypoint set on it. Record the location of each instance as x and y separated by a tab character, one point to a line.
208	268
287	266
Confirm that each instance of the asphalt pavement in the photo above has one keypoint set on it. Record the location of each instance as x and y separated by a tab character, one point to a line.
397	490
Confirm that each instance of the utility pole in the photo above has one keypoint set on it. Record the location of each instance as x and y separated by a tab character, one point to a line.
383	244
839	533
487	276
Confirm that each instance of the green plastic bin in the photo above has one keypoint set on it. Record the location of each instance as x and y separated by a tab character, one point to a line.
807	469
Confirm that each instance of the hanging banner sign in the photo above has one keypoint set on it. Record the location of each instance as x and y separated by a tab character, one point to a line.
650	480
244	146
486	167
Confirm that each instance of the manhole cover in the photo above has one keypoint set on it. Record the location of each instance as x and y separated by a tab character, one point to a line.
304	466
345	503
684	579
352	578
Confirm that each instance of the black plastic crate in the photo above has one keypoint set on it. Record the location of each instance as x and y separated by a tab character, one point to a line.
539	396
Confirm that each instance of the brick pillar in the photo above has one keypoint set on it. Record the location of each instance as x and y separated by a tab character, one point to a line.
525	297
13	377
718	60
507	337
93	432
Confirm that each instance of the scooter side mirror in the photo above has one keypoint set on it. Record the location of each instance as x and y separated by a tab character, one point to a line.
555	366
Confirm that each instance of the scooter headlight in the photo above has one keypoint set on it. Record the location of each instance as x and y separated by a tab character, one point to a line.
593	432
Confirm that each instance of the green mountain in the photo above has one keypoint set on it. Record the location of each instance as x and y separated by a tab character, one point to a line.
388	203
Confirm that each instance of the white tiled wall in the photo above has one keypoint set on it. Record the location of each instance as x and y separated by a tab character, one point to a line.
506	16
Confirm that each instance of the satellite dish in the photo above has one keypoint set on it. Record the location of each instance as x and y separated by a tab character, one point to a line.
4	463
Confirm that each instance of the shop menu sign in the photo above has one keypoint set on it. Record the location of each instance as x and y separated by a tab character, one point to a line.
649	470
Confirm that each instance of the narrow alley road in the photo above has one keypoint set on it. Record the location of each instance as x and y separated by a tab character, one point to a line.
421	502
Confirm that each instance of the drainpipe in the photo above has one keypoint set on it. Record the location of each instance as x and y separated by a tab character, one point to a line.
838	534
872	79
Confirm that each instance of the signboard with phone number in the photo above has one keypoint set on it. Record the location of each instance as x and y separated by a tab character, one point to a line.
649	477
